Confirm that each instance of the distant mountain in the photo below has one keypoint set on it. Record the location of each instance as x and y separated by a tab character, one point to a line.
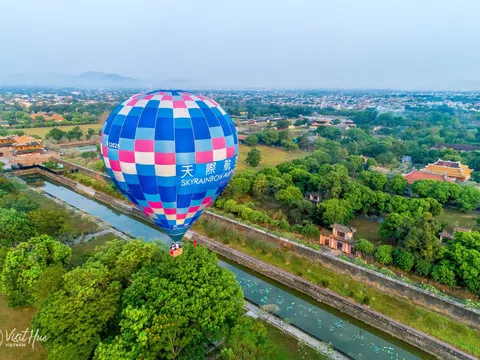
90	79
105	78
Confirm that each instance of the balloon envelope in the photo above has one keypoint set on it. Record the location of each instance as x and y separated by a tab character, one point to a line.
171	153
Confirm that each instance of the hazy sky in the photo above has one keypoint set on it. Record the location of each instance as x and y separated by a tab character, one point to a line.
249	43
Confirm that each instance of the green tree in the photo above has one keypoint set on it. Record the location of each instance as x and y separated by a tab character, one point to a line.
422	238
175	307
253	157
403	259
395	226
15	227
288	195
260	186
248	340
335	211
251	140
19	202
90	133
364	247
383	254
423	267
444	273
289	145
56	134
374	181
283	124
240	186
77	316
49	222
397	185
269	137
25	264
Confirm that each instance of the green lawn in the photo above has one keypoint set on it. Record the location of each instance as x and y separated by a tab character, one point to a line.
18	318
457	218
398	309
78	223
288	348
271	156
83	250
366	229
43	131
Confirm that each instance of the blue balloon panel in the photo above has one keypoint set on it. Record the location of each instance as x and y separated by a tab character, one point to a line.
171	153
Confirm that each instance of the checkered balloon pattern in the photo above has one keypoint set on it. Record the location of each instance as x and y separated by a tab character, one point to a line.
171	153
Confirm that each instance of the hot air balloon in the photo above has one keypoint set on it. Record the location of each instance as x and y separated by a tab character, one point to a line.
171	153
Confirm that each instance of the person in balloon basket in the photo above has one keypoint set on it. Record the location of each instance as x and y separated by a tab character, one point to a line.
174	247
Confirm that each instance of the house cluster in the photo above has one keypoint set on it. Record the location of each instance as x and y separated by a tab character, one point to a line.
23	150
337	121
442	170
17	145
47	116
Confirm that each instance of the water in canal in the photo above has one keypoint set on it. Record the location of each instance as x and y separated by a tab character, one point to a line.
351	337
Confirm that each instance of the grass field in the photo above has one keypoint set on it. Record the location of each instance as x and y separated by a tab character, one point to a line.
288	348
457	218
271	156
19	319
43	131
78	224
398	309
82	250
366	229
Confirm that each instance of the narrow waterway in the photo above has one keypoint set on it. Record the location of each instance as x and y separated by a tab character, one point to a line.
347	335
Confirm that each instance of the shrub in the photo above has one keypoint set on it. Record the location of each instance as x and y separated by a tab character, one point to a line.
423	267
310	231
383	254
284	225
364	247
387	272
431	289
229	205
325	283
359	261
444	274
351	293
366	300
403	259
219	203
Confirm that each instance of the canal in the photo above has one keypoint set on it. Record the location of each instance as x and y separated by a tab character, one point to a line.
345	334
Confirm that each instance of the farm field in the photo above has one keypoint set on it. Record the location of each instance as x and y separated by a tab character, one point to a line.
366	229
43	131
457	218
271	156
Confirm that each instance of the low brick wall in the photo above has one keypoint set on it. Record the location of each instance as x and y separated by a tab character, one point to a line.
374	279
416	338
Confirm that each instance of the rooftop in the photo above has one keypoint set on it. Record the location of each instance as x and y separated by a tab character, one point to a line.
423	175
343	228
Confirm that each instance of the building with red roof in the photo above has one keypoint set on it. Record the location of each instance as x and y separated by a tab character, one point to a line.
422	175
